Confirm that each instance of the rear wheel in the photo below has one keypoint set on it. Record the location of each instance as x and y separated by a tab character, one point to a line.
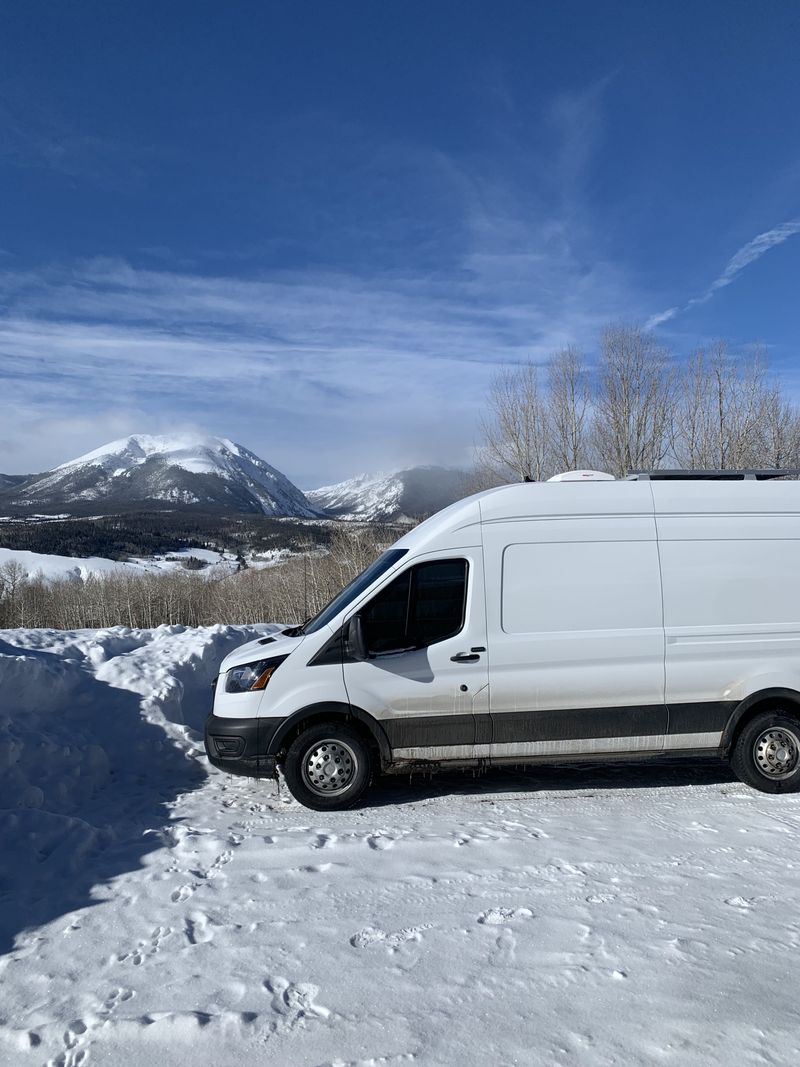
767	753
328	766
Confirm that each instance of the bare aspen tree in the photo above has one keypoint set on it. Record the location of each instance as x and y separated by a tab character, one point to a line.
13	583
779	432
516	431
569	406
689	427
737	406
727	414
633	403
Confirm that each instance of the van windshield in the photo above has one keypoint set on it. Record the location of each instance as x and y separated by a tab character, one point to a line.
354	588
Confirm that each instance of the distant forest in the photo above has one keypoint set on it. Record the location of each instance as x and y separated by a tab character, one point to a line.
155	533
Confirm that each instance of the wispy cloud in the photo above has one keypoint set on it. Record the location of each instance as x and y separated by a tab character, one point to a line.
661	316
324	374
578	119
746	255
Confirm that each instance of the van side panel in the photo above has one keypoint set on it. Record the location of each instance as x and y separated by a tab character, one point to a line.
731	610
576	642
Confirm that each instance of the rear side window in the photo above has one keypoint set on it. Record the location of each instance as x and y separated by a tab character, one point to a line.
423	605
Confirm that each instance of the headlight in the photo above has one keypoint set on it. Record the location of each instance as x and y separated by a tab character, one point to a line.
251	676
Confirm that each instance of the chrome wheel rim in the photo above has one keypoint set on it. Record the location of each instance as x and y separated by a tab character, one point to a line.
777	752
329	767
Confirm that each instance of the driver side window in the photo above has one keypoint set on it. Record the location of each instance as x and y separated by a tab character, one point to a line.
423	605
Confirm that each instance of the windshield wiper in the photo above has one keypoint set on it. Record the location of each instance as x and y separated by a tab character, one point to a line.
297	631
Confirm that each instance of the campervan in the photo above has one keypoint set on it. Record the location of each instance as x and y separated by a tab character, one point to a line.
585	618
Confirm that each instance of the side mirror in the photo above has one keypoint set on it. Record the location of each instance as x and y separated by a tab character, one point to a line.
354	644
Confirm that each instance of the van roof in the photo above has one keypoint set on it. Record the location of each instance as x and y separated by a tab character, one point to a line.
458	524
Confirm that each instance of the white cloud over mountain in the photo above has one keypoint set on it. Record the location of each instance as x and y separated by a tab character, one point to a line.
324	372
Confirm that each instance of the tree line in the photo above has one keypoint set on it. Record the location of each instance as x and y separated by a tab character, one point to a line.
145	533
289	592
638	408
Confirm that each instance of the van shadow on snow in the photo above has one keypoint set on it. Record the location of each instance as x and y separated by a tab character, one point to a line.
94	775
581	779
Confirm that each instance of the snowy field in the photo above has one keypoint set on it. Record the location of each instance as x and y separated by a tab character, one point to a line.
54	566
153	910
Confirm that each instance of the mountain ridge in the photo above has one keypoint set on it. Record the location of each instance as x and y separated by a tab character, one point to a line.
403	495
196	472
143	471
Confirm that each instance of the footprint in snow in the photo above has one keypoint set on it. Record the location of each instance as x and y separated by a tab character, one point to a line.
371	935
114	999
76	1037
74	1033
600	898
293	1003
743	903
499	916
324	841
380	841
145	949
505	946
198	929
219	862
182	893
70	1057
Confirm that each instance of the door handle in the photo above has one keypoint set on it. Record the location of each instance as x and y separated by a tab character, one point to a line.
465	657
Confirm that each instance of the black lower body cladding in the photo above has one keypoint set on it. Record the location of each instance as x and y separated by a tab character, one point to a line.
239	746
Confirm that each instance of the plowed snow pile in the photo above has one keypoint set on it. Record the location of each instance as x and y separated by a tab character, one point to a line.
155	910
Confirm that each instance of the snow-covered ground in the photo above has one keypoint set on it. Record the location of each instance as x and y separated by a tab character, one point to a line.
54	566
155	910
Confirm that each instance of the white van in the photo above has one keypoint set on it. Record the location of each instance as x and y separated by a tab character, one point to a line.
575	619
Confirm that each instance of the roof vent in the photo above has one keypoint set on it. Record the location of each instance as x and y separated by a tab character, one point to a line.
582	476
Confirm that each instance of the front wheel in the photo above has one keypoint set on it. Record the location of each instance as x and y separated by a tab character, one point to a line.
767	753
328	767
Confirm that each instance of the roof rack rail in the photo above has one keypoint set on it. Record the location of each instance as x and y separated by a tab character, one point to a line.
753	475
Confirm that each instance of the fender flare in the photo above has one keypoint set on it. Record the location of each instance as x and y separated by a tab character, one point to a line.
332	710
775	694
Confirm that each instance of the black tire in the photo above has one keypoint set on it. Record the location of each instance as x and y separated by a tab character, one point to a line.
766	755
328	766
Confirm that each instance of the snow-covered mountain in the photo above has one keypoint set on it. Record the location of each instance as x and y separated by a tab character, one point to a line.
177	471
397	496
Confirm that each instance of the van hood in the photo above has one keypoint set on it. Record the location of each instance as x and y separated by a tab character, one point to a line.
264	648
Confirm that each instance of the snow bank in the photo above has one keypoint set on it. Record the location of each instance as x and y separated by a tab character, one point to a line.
98	733
79	707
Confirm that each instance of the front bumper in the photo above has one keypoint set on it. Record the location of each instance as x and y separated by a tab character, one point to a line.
239	746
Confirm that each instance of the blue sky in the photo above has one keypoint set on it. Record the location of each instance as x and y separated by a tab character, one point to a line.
319	228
